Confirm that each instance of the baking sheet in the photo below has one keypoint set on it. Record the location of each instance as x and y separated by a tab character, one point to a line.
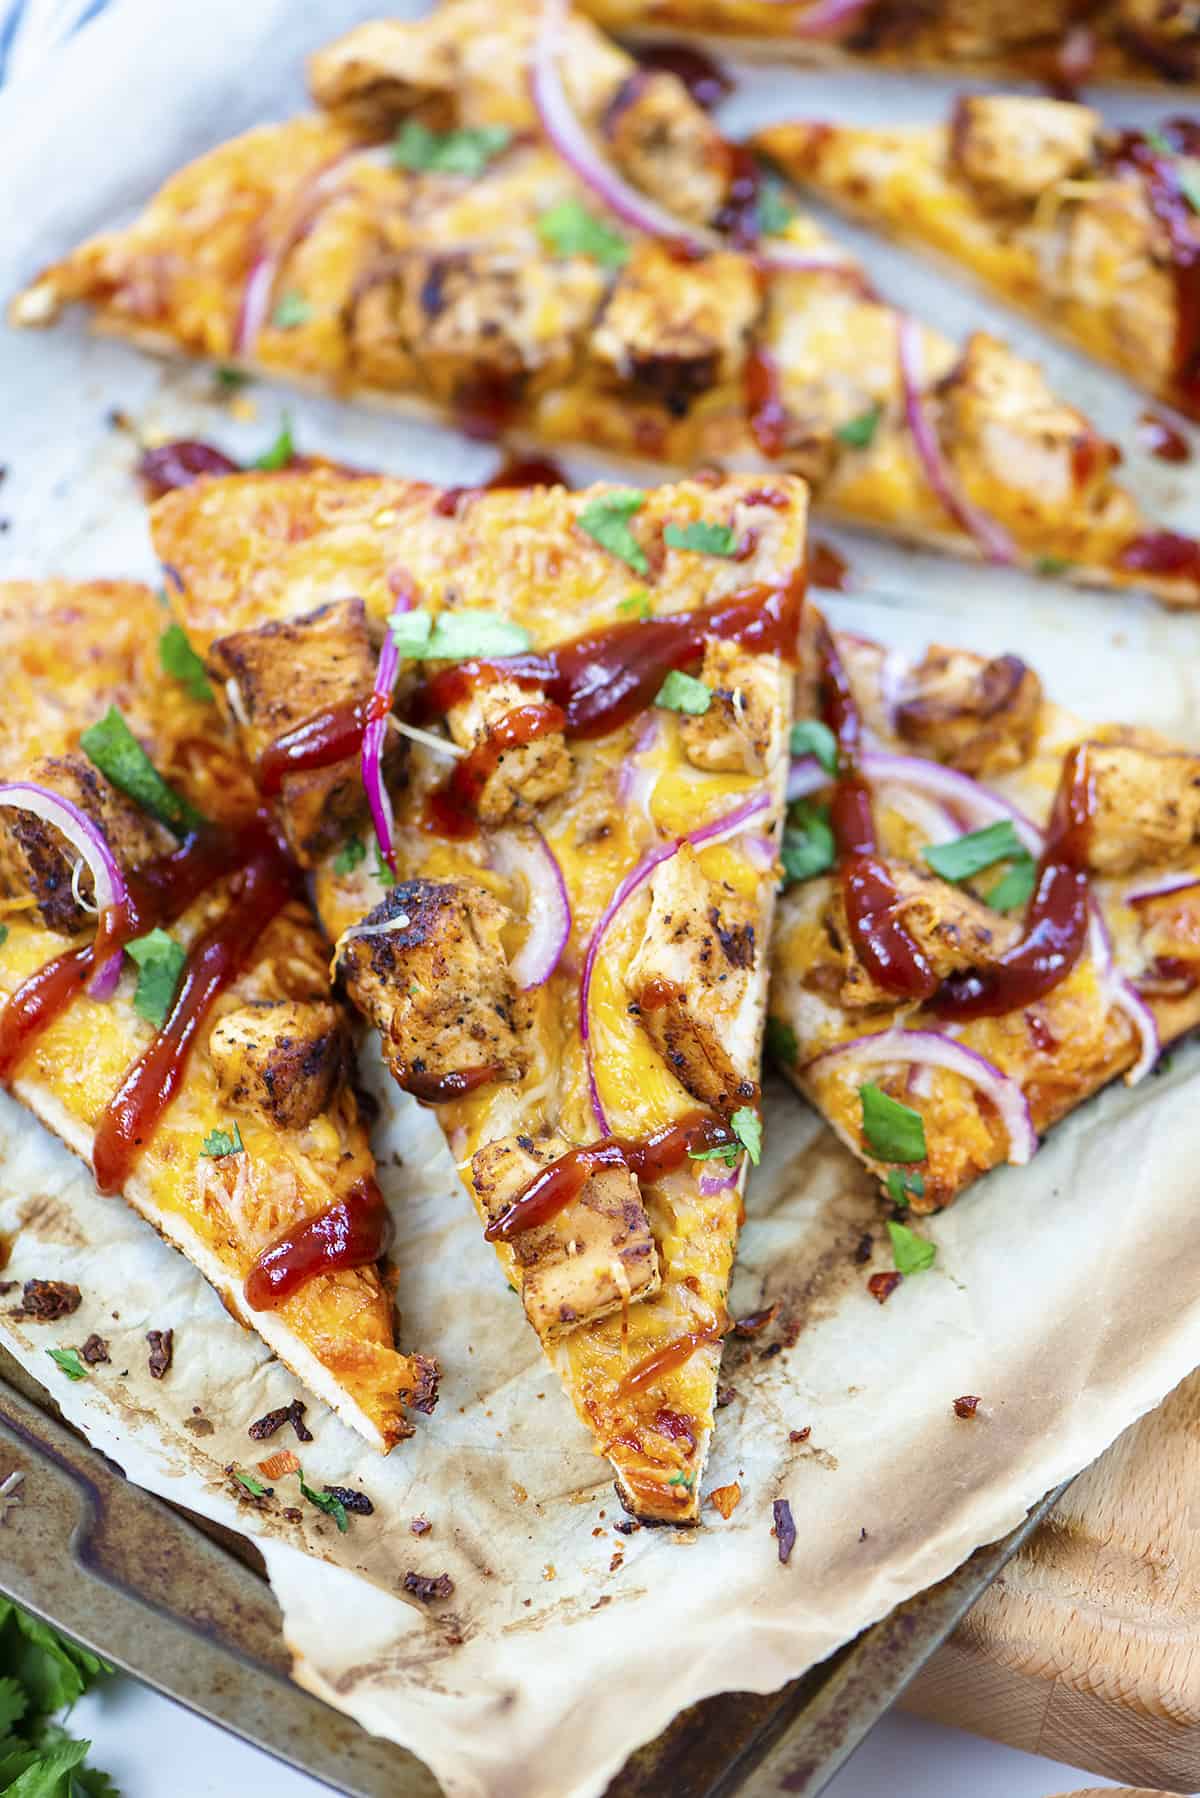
1065	1294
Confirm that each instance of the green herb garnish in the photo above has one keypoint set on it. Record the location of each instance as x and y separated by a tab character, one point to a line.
455	636
811	737
68	1360
42	1673
281	452
569	229
808	847
219	1143
894	1132
775	209
464	152
636	604
293	309
782	1044
911	1253
1014	889
686	1480
606	522
254	1487
3	935
160	962
705	538
903	1182
179	659
381	871
747	1127
111	746
230	379
351	855
684	693
325	1501
859	432
1051	564
978	849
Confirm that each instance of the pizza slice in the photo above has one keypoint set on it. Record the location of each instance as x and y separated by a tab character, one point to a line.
567	714
1094	231
993	909
165	1005
1054	41
499	217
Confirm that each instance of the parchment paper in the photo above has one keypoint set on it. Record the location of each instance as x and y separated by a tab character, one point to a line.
1066	1294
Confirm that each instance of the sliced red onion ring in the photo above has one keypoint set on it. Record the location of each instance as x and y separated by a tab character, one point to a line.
1157	889
256	303
636	782
374	736
991	537
576	148
526	854
782	260
711	1184
928	1048
1123	996
976	805
89	842
724	826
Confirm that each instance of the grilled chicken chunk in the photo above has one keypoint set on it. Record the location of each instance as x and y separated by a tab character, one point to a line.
1014	146
596	1256
428	969
283	674
977	713
35	859
981	28
741	732
383	70
282	1058
676	328
667	145
955	931
1144	805
689	978
524	776
1116	263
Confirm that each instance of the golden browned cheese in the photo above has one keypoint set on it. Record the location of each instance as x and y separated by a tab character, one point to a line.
70	651
1059	1049
504	296
438	977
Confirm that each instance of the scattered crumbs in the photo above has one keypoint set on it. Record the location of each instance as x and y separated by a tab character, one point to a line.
599	1604
966	1406
351	1499
162	1352
428	1589
293	1513
617	1561
754	1321
772	1349
598	1531
420	1526
881	1286
626	1526
549	1571
48	1300
725	1396
95	1350
862	1535
528	1601
800	1435
785	1530
7	1286
199	1426
539	1395
726	1498
864	1249
267	1426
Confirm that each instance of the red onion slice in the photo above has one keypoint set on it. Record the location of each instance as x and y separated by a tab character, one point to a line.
90	843
928	1048
991	537
724	826
256	303
528	856
374	736
1158	889
974	804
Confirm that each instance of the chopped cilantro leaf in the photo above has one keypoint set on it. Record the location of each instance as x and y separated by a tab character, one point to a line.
219	1143
325	1501
911	1253
253	1486
807	847
351	855
706	538
684	693
747	1127
465	152
859	432
3	935
606	521
686	1480
978	849
901	1182
1051	564
894	1132
636	604
728	1152
381	871
454	636
293	309
781	1042
230	379
179	659
279	454
569	229
811	737
111	746
775	209
68	1360
160	962
1014	889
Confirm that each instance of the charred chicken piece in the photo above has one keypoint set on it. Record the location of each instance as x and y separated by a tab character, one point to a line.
676	328
668	146
1144	807
428	969
284	674
742	730
1013	147
690	980
954	930
977	713
523	776
596	1256
281	1058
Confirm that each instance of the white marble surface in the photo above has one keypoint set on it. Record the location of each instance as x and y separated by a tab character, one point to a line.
137	1736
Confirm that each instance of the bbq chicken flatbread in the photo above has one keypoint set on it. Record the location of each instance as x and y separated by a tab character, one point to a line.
1056	41
1094	231
546	849
165	1005
993	909
499	216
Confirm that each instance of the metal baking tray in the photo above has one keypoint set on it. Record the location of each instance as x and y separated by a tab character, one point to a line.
185	1606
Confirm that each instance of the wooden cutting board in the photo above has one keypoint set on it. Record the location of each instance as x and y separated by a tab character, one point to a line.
1087	1648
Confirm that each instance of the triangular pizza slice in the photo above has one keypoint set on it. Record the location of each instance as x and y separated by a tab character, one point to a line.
165	1005
498	216
567	716
1093	230
993	909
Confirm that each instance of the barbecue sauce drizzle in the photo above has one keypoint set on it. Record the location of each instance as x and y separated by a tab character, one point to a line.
352	1232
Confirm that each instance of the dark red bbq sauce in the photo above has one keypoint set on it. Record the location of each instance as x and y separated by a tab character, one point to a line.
439	1089
1168	977
36	1003
890	955
705	79
826	568
1160	438
765	410
666	1359
739	216
526	471
265	884
1160	175
1056	923
352	1232
554	1188
326	738
179	464
1166	554
452	806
